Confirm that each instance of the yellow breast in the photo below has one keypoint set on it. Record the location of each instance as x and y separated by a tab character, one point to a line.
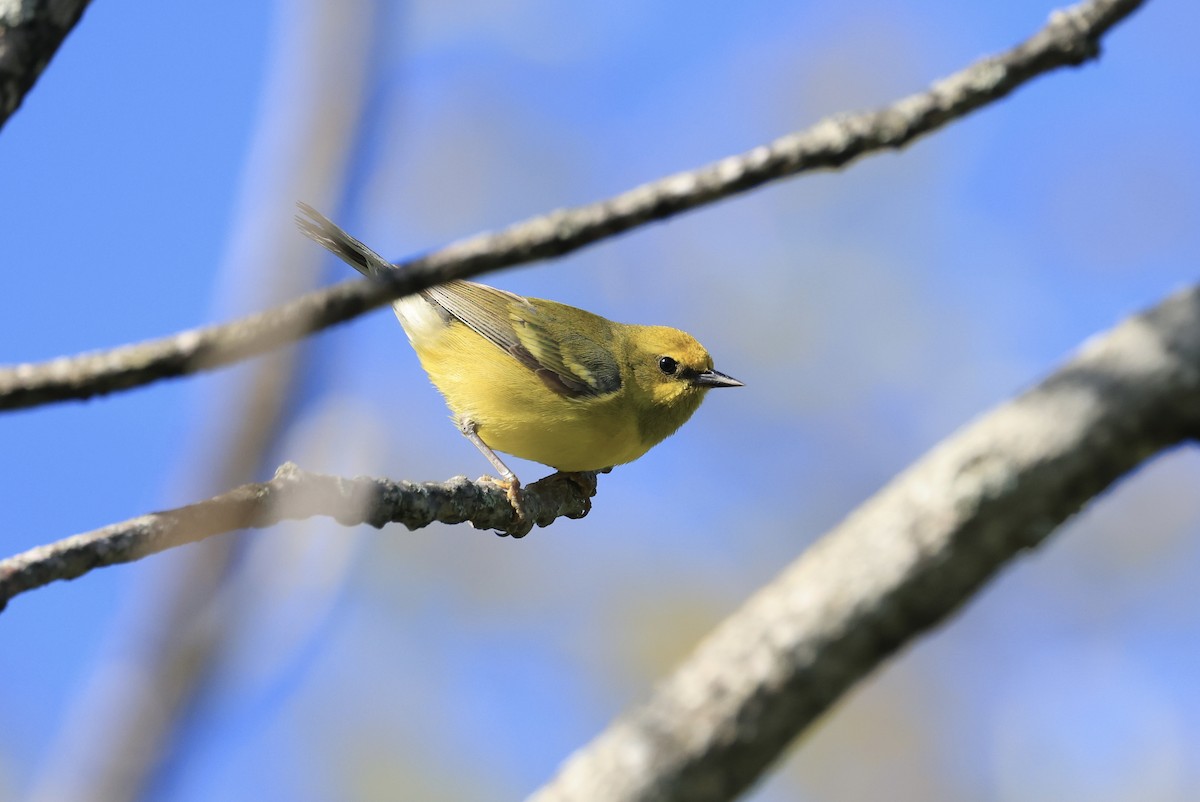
517	413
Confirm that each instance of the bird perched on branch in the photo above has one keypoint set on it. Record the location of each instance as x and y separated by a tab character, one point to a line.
538	379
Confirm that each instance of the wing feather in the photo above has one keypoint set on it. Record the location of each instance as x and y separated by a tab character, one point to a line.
570	361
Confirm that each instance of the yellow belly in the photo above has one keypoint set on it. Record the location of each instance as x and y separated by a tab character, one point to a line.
573	440
516	413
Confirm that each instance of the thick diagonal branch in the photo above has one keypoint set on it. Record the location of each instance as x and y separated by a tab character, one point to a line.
30	33
898	565
1070	38
295	494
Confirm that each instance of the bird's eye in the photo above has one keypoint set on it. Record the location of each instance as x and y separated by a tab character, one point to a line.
668	365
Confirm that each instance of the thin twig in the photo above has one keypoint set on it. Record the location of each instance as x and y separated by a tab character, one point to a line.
898	565
1070	38
295	494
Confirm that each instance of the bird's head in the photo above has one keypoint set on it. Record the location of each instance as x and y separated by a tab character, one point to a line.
672	373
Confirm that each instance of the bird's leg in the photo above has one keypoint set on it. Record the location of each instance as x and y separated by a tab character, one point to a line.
508	479
469	429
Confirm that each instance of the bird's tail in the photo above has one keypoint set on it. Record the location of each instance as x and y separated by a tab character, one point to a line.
321	229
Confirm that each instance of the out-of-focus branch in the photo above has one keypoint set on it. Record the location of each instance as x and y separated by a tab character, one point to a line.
294	494
1071	37
127	735
898	565
30	33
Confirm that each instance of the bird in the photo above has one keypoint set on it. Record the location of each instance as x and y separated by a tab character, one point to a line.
538	379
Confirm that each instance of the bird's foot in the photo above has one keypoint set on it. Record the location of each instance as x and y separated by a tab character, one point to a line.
515	494
584	480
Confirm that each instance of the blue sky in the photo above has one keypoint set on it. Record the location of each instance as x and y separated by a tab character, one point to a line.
149	187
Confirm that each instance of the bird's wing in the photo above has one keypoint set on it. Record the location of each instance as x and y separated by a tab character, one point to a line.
567	360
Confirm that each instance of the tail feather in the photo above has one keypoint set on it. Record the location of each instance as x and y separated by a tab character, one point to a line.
324	231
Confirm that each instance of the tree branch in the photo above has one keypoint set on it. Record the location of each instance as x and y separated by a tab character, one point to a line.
30	33
124	738
294	494
1070	38
898	565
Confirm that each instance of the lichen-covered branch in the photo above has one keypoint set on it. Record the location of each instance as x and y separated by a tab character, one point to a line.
1071	37
30	33
899	565
295	494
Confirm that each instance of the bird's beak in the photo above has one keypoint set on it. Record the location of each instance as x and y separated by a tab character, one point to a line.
715	378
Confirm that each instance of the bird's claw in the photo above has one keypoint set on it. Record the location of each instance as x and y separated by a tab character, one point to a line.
515	495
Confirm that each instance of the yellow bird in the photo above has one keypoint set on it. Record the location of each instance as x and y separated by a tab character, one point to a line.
538	379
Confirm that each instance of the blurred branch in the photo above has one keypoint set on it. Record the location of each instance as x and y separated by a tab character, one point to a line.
294	494
1070	38
129	735
30	33
898	565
